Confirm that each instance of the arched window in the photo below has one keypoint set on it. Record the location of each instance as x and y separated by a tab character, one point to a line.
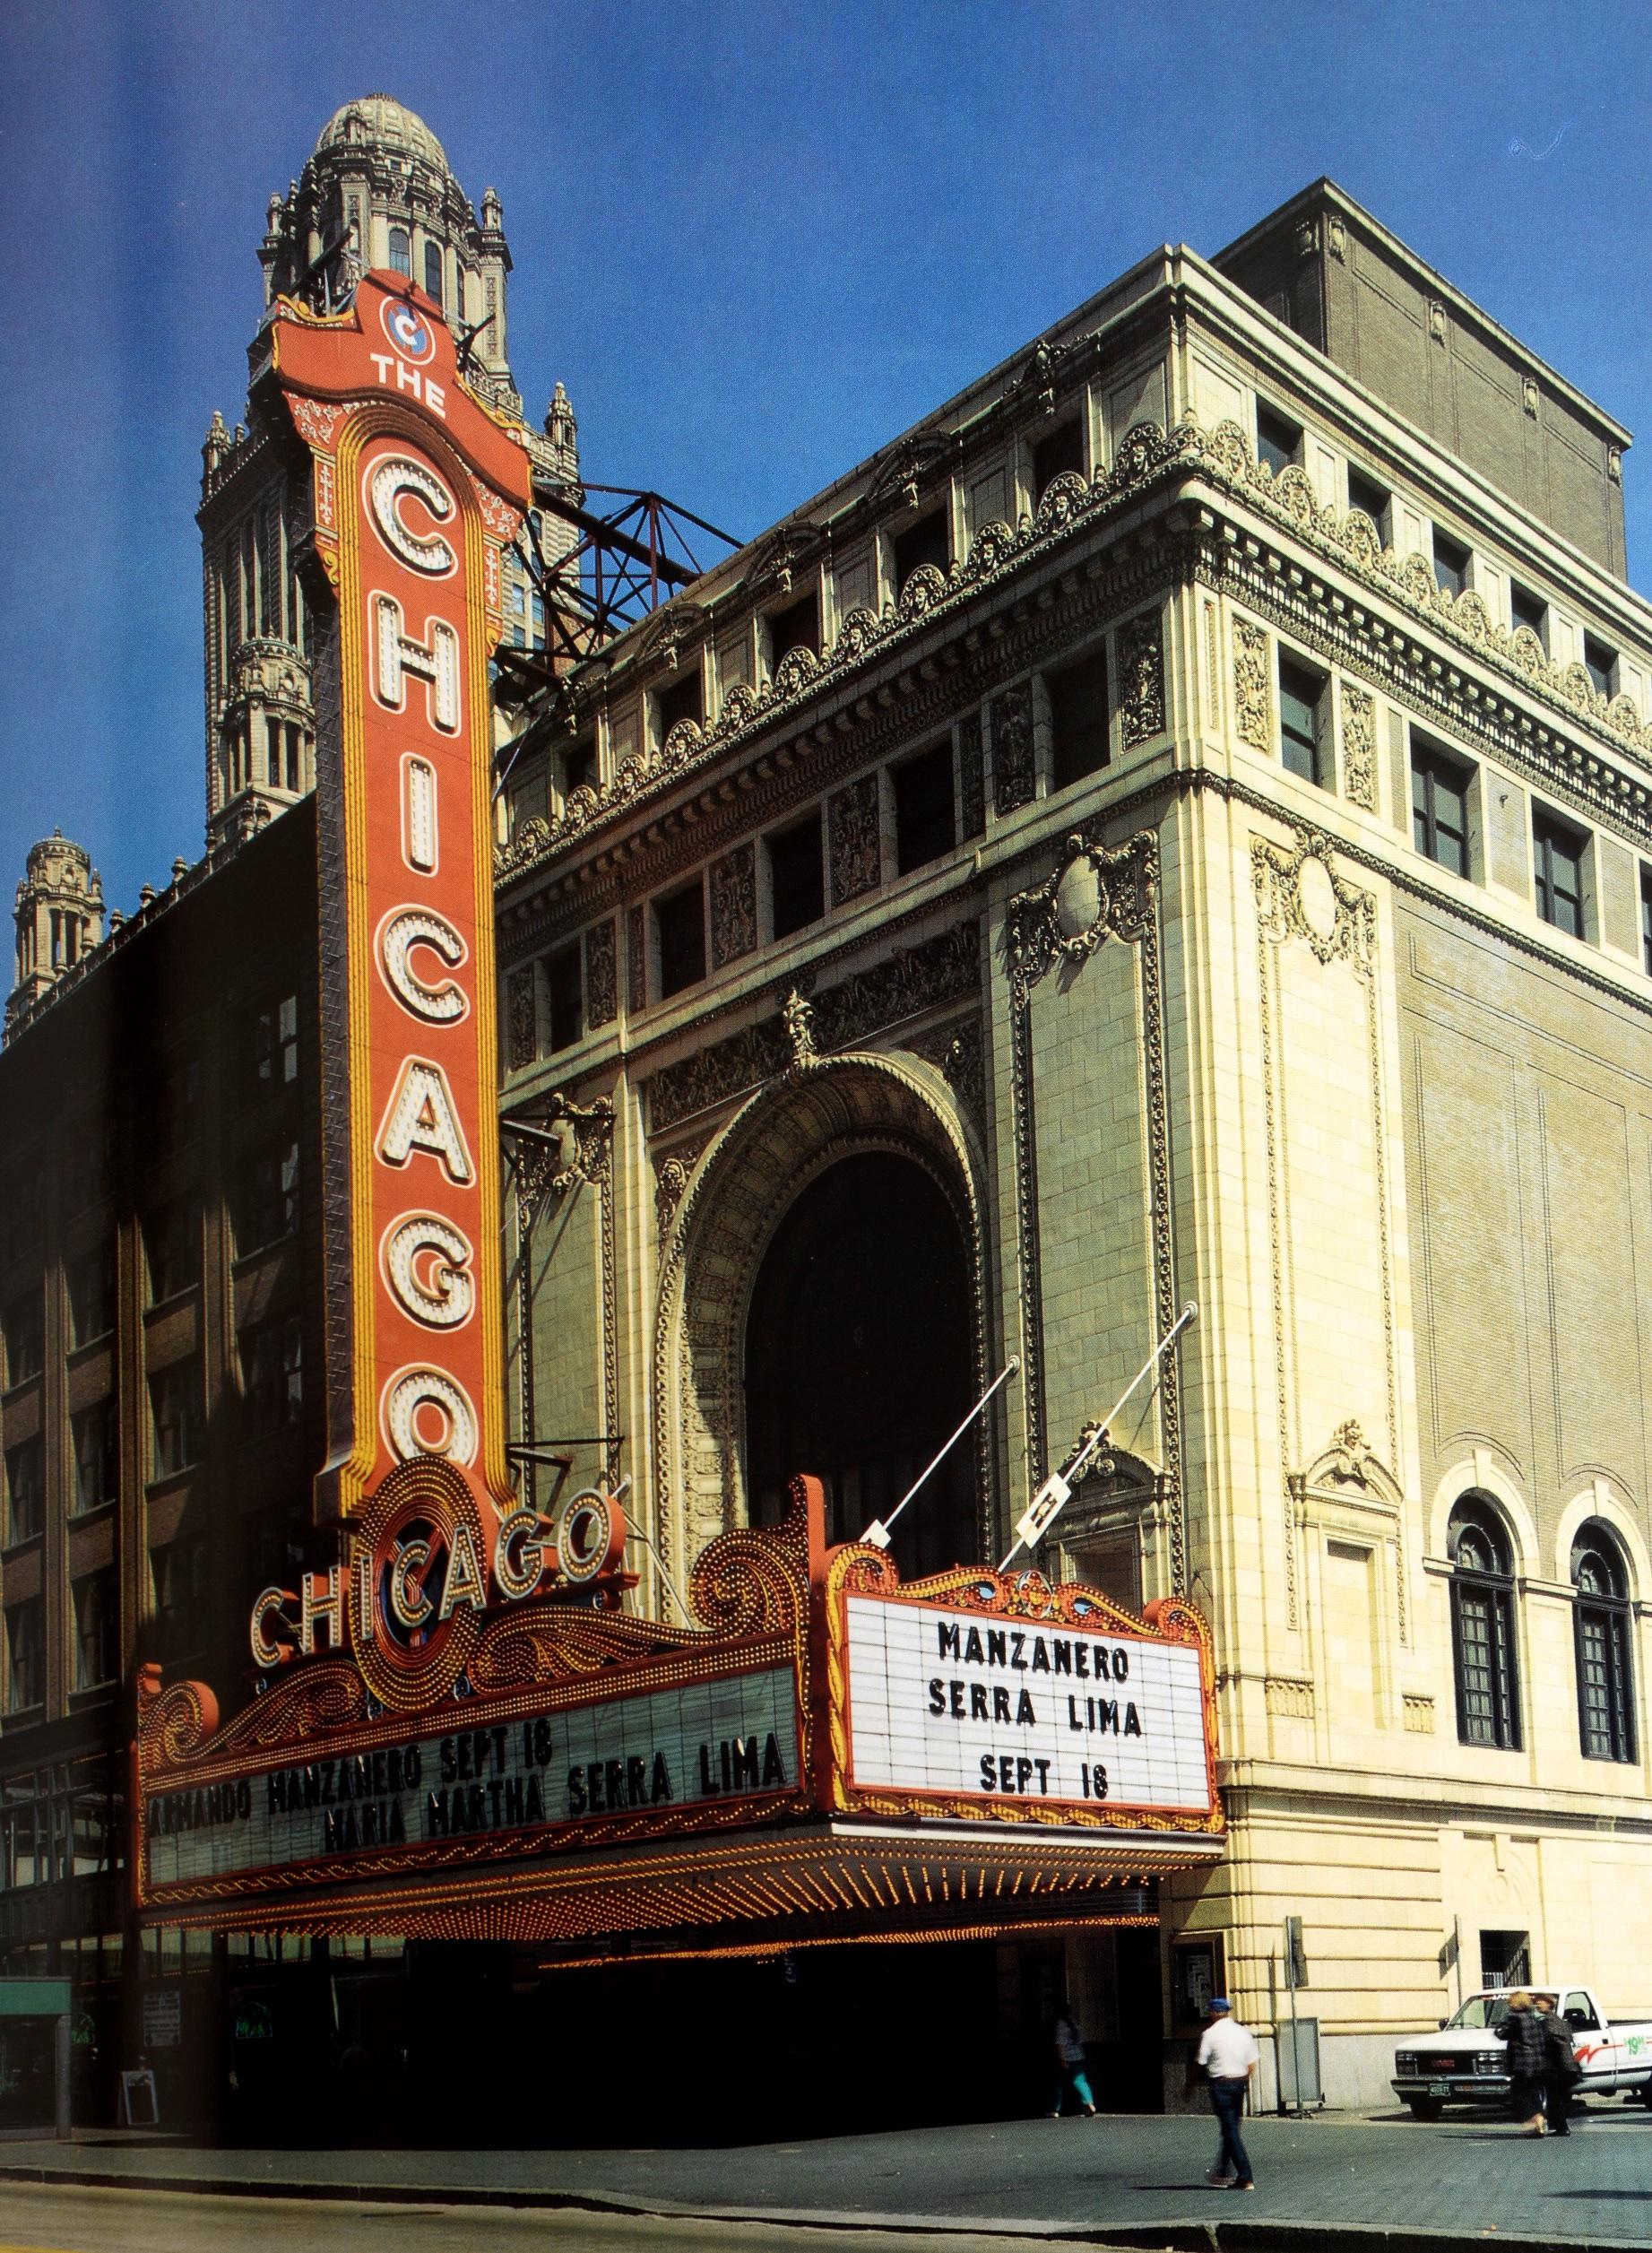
1488	1700
402	250
433	271
1605	1685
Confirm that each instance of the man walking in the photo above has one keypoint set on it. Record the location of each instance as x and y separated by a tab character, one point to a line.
1561	2069
1529	2057
1227	2055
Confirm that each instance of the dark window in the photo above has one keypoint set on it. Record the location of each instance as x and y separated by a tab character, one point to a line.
459	313
1601	664
176	1111
1440	788
24	1338
1645	917
96	1626
797	626
267	1202
172	1238
579	768
91	1296
1301	721
562	986
679	919
1078	718
1278	439
273	752
925	542
433	271
1558	853
176	1407
25	1654
1505	1959
20	1208
1605	1685
1488	1711
272	1375
797	882
179	1571
1372	500
684	699
25	1490
1526	609
88	1163
295	757
400	251
273	1046
1451	563
924	823
1061	450
97	1473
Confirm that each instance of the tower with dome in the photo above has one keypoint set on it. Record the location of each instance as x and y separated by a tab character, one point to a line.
376	192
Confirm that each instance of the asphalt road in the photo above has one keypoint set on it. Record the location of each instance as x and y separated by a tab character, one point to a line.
67	2220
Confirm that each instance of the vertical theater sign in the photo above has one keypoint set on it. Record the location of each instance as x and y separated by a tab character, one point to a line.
459	1730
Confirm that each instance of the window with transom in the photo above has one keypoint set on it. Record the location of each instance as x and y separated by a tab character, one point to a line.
1605	1684
1483	1651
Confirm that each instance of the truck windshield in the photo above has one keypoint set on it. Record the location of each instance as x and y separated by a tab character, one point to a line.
1482	2010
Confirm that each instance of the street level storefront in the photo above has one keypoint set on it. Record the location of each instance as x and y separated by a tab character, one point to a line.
832	1761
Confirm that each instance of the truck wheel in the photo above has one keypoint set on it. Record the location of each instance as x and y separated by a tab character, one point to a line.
1643	2094
1425	2108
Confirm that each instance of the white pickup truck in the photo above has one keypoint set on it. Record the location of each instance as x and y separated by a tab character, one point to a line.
1468	2061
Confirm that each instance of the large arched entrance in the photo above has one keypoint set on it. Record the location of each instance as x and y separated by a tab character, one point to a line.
859	1358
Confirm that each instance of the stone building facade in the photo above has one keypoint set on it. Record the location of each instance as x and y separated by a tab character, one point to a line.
1176	824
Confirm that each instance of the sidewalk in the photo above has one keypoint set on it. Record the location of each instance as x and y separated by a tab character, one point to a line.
1322	2183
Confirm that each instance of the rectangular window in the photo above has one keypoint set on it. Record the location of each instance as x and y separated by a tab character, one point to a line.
1061	452
1451	563
22	1333
682	700
273	752
266	1202
1605	1705
1278	439
433	271
1558	855
1601	664
1505	1959
1528	610
96	1629
579	768
1645	919
96	1463
179	1569
273	1046
797	880
1077	696
925	542
176	1113
797	626
272	1375
25	1654
176	1409
1440	788
925	824
565	996
1372	500
25	1490
295	757
91	1296
1482	1647
172	1240
1301	721
680	923
21	1209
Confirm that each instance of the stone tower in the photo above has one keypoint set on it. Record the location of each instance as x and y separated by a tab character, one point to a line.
377	192
59	915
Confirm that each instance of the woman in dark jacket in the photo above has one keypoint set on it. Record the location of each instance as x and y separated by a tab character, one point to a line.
1559	2067
1528	2060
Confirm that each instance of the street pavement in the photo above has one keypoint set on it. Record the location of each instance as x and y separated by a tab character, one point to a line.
1331	2181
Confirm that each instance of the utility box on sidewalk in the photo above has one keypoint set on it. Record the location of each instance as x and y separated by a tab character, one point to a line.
1298	2044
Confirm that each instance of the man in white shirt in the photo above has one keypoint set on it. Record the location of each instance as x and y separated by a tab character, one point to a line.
1228	2057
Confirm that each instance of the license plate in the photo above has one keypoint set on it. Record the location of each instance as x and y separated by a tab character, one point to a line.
1439	2088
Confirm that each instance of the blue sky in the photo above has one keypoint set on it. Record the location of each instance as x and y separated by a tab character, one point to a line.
754	240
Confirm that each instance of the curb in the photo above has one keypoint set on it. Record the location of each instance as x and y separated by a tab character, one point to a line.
1234	2235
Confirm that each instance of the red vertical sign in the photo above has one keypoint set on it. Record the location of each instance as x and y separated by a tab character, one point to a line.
417	486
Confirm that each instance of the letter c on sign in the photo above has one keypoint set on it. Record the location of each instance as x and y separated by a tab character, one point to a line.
389	484
405	928
271	1603
427	1263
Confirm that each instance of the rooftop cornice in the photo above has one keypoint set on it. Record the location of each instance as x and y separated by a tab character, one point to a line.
1149	461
